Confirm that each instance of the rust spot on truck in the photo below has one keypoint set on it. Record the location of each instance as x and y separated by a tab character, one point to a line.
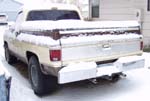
55	34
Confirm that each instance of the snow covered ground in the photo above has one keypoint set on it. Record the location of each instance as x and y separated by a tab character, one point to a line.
135	87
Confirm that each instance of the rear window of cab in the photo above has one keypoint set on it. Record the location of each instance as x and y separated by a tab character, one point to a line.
52	15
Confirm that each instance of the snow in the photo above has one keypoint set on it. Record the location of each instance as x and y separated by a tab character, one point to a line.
29	1
3	71
100	38
111	30
2	29
134	87
1	49
37	40
2	68
49	5
76	24
41	1
48	41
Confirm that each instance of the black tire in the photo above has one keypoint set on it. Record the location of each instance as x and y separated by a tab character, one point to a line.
41	84
8	56
115	77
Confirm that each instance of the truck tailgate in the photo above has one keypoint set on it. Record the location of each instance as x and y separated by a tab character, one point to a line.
97	46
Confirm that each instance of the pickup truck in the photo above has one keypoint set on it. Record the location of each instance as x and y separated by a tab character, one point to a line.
60	47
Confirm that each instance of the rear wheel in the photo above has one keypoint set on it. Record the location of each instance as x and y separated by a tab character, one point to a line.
8	56
115	77
41	84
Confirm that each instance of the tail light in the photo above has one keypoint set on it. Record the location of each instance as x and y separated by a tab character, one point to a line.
141	45
55	55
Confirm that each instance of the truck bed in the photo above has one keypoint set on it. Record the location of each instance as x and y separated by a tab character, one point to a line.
88	41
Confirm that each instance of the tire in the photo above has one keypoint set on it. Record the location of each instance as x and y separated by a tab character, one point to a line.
41	84
115	77
9	58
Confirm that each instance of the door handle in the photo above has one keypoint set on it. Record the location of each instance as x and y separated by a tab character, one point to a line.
106	46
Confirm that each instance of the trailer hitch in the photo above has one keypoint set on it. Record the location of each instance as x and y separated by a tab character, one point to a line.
94	81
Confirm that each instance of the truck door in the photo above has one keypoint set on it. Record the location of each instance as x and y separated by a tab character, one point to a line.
17	44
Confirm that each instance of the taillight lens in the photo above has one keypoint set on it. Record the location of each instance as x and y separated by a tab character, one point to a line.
55	55
141	45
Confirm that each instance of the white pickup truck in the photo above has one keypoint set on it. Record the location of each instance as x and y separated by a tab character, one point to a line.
60	47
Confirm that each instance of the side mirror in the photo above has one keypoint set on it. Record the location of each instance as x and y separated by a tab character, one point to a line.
10	24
